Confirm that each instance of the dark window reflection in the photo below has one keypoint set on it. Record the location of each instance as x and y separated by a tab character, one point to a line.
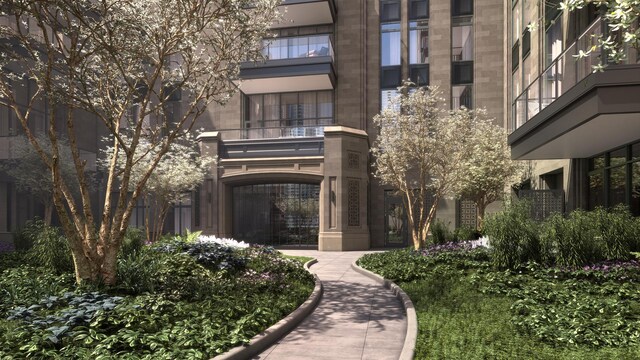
395	220
596	190
617	185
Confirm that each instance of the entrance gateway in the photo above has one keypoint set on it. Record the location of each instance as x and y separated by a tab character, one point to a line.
277	214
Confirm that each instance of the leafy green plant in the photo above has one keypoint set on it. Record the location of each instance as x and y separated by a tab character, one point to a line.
133	241
514	236
440	233
50	249
465	233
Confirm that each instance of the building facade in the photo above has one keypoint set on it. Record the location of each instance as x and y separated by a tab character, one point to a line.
293	143
300	129
579	129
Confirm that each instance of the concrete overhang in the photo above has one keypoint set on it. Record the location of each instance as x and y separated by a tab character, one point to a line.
600	113
306	12
289	75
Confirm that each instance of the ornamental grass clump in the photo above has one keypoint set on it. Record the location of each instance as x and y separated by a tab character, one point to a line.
585	238
514	236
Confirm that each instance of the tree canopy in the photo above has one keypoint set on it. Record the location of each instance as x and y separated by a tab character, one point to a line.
120	64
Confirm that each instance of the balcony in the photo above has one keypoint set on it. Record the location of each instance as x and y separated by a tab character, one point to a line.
571	112
306	12
563	74
301	63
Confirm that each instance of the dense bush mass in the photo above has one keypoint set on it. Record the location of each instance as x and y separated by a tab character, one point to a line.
470	309
582	238
175	299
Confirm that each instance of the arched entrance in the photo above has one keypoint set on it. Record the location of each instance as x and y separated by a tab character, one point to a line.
276	213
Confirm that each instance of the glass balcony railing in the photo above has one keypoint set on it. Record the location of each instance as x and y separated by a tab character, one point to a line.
563	74
279	129
297	47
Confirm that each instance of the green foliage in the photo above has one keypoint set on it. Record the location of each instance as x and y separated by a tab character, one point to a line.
440	233
468	310
174	300
465	233
50	248
514	236
588	237
133	241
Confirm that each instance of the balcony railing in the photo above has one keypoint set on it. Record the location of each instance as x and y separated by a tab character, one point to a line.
297	47
563	74
275	129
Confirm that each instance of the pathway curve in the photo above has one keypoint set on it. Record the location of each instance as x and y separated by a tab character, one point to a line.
356	318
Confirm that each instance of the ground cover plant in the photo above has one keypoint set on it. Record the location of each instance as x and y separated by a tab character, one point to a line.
471	305
175	299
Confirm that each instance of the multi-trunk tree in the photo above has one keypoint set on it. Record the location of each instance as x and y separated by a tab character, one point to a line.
428	153
119	63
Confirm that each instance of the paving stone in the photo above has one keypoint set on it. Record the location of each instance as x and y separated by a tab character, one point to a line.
356	318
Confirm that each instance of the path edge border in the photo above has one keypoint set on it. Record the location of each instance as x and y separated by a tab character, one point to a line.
409	346
270	336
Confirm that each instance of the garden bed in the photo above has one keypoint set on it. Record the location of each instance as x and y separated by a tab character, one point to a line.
174	300
468	309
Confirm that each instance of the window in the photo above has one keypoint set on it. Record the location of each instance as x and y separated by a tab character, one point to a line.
462	43
386	97
614	178
526	42
461	7
390	77
418	42
515	56
462	96
389	10
516	21
390	47
395	220
418	9
462	72
287	114
419	74
553	33
182	215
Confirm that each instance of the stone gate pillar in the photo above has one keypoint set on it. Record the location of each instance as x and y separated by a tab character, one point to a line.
344	217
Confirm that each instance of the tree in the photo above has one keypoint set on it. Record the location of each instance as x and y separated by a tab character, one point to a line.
104	60
489	169
622	20
182	169
420	151
27	169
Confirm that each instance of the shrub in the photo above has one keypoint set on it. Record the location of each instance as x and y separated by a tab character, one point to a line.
133	241
50	249
514	236
588	237
465	233
440	233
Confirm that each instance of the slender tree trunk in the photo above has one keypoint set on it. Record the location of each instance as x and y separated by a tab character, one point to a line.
481	208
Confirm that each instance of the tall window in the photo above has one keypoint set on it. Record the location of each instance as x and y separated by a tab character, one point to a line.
390	50
419	49
182	215
462	63
614	178
553	31
287	114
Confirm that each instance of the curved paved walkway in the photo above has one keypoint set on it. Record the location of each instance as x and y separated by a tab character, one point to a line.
356	318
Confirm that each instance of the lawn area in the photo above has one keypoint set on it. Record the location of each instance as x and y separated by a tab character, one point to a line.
469	310
176	299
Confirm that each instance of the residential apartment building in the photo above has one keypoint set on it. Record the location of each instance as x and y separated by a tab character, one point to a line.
579	129
293	144
297	135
